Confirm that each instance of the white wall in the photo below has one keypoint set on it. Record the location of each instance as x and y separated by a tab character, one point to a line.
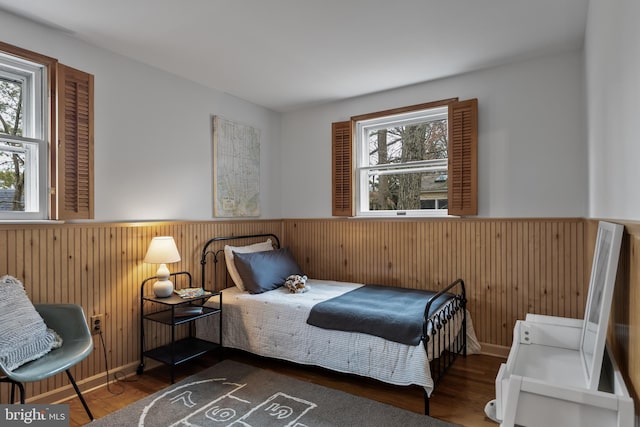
532	144
612	57
153	156
153	137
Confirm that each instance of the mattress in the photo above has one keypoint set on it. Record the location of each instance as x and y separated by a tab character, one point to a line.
274	324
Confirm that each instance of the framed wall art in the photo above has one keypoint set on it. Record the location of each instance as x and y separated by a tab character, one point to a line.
236	169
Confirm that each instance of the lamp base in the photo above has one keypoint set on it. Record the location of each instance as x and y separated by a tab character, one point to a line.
163	288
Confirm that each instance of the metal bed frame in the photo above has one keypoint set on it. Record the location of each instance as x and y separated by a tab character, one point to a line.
442	322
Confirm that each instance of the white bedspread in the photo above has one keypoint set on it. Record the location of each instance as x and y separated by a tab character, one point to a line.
274	324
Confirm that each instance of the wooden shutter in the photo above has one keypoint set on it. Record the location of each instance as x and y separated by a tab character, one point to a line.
75	144
342	169
463	158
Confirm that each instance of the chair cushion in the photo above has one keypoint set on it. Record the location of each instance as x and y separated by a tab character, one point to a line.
23	334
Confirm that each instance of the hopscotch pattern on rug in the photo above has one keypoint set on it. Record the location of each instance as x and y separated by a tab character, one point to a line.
192	405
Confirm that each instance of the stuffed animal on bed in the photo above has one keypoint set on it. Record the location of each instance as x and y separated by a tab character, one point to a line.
296	284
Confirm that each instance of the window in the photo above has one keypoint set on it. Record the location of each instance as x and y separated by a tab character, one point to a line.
401	160
46	166
23	139
419	160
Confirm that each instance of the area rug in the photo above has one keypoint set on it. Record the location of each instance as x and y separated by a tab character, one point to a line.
234	394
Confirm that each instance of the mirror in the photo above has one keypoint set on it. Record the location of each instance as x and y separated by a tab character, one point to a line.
603	276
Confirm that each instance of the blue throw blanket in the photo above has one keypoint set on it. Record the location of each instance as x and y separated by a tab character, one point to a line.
395	314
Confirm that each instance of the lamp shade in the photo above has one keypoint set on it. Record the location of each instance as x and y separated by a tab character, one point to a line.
162	250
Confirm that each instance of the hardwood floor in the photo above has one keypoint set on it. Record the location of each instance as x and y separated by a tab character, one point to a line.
459	398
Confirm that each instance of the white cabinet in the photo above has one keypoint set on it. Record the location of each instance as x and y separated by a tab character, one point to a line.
559	371
543	382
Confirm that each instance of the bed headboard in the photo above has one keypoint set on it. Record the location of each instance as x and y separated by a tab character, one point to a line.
214	248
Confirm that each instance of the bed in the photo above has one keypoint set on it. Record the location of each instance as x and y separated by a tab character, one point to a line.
274	323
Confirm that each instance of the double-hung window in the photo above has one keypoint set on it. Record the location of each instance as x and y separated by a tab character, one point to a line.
46	138
411	161
23	139
401	163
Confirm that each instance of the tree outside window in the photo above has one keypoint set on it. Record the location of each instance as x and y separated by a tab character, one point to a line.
12	156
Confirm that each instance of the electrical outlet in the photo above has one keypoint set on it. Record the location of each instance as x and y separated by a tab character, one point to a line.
96	323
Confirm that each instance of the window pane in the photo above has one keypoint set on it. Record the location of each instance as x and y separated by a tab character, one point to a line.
407	191
427	204
421	141
13	164
11	107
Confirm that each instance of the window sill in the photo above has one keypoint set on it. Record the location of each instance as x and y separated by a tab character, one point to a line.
30	221
405	214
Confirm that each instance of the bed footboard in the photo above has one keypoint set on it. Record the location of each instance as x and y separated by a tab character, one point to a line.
444	333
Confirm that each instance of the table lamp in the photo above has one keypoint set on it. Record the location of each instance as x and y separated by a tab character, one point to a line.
162	250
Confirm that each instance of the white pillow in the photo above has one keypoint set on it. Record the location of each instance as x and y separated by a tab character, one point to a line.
231	265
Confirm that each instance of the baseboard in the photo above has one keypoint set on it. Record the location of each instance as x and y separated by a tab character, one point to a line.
494	350
86	385
95	382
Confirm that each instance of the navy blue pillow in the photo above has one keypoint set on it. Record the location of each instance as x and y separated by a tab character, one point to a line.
267	270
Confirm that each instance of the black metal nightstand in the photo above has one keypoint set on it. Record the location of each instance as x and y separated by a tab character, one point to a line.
174	311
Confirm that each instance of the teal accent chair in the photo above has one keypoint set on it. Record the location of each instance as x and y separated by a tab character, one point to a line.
69	322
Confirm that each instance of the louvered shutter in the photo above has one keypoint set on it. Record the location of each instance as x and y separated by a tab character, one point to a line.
342	169
463	158
75	144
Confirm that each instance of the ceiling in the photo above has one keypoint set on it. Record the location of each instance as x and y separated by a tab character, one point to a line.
291	54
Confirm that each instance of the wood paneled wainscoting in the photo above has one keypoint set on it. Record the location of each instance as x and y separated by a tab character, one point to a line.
511	267
99	266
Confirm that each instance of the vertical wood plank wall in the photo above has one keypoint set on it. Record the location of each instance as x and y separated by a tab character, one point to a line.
510	266
99	266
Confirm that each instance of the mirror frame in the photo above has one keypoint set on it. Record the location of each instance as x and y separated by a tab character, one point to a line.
601	284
